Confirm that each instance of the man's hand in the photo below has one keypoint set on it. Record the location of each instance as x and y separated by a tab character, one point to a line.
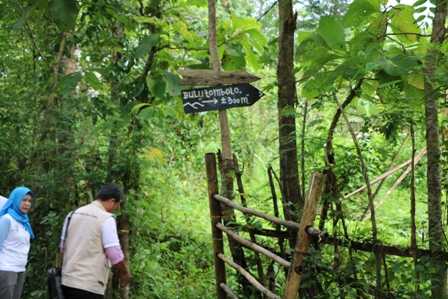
123	274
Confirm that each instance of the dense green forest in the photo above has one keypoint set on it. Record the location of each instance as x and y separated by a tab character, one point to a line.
90	92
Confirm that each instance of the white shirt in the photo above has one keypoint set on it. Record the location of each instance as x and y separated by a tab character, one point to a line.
109	235
2	201
14	252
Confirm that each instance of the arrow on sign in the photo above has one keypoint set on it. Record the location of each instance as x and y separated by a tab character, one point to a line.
220	97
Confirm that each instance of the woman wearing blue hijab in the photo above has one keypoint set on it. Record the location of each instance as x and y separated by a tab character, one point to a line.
15	236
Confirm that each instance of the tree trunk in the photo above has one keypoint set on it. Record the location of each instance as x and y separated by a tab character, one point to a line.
292	199
438	273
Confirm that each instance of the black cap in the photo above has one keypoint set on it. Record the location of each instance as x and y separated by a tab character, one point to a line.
109	191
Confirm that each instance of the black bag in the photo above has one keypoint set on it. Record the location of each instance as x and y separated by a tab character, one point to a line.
54	275
54	284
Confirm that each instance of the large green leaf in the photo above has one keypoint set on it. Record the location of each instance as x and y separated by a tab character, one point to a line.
359	11
157	86
332	31
322	82
416	80
399	65
241	24
233	58
249	54
173	84
146	44
257	39
403	22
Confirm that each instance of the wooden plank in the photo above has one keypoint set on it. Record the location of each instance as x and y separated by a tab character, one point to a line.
215	218
303	240
257	248
210	77
228	291
275	220
255	283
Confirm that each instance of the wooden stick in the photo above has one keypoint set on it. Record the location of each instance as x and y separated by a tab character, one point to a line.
384	175
398	181
265	232
380	185
406	172
371	205
253	238
215	217
275	220
303	240
253	246
275	203
228	291
413	244
249	277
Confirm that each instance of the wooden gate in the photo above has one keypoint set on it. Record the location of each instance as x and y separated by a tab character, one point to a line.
217	202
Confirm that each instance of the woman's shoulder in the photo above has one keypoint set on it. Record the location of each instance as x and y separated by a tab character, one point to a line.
6	220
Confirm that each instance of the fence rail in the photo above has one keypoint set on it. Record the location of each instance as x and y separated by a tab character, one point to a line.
253	212
252	280
253	246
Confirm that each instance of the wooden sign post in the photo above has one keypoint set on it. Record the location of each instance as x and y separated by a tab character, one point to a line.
216	94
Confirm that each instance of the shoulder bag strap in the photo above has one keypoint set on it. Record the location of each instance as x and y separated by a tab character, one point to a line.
60	254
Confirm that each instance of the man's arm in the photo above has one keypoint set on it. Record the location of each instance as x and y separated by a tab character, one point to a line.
112	249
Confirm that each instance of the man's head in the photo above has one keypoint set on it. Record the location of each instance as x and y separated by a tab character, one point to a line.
110	196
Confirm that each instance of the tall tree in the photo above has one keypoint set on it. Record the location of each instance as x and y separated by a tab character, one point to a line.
438	275
289	174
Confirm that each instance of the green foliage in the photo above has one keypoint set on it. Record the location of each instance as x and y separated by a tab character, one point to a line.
331	30
402	22
118	116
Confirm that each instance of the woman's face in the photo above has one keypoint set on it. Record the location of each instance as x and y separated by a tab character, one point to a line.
25	206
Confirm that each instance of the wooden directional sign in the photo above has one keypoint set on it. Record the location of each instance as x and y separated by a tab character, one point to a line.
210	77
220	97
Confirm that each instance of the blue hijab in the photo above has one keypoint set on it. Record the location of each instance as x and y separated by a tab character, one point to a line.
12	207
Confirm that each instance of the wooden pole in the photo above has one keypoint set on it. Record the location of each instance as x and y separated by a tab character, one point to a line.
303	240
216	67
275	206
275	220
255	283
215	217
228	291
227	161
255	247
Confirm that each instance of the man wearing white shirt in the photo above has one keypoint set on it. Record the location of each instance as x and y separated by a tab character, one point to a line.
90	246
